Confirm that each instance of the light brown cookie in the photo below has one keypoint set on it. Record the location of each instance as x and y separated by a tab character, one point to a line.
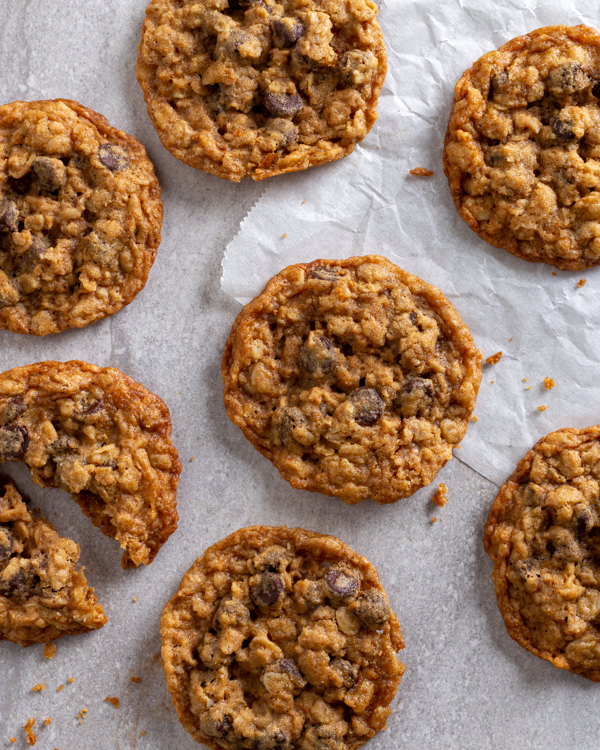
353	377
281	639
522	150
256	88
80	217
543	534
42	594
96	433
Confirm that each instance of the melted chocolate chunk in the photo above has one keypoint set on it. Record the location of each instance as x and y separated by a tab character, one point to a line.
9	215
283	104
266	589
287	31
367	406
113	157
317	355
373	609
341	584
50	174
14	441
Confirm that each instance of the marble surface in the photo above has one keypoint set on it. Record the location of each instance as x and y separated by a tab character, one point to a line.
467	685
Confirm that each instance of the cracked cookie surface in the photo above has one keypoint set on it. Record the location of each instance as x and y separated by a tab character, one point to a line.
522	150
97	434
257	88
80	217
42	594
281	639
543	535
354	377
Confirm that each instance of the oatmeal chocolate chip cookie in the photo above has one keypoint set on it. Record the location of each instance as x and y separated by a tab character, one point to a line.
96	433
353	377
281	639
80	217
42	594
257	88
543	534
522	151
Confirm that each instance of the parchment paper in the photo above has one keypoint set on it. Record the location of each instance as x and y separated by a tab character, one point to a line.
543	323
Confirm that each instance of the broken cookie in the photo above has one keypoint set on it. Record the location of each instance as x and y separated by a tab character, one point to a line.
43	596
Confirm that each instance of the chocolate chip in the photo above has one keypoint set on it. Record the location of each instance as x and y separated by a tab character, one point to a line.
9	215
113	157
14	441
562	129
415	396
284	127
596	89
19	584
272	739
497	83
566	79
317	354
293	426
13	408
231	614
285	666
50	174
372	608
283	104
413	317
357	67
7	544
342	584
266	589
349	672
585	522
327	273
367	406
274	559
287	31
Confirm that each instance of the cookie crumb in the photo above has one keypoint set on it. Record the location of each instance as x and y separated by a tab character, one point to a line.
13	739
284	235
581	283
421	172
47	721
554	273
135	598
440	498
113	700
542	408
494	359
475	418
135	679
433	520
524	380
510	339
142	733
81	714
29	735
191	459
303	202
71	679
492	382
549	384
60	687
528	388
49	650
38	687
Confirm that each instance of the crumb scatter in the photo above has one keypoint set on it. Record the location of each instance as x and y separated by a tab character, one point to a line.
494	359
421	172
440	498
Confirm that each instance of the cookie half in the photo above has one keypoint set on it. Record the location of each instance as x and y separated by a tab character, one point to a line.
543	535
281	638
354	377
96	433
522	150
80	217
42	594
255	88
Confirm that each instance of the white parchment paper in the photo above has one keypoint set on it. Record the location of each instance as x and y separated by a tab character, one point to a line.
545	325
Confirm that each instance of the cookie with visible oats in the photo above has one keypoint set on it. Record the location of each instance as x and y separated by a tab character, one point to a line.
80	217
256	88
281	639
543	535
43	595
96	433
522	150
354	377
